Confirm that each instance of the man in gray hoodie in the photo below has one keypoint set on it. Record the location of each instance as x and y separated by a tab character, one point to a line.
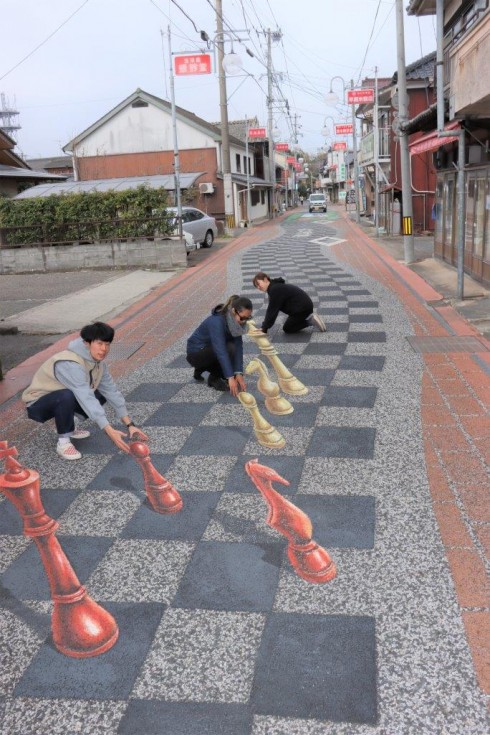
76	383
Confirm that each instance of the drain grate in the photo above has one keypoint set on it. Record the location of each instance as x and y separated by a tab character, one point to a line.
446	344
123	352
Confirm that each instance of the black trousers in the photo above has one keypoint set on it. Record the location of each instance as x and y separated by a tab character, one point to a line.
296	322
206	360
60	405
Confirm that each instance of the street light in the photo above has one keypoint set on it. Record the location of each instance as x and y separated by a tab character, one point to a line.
331	99
325	130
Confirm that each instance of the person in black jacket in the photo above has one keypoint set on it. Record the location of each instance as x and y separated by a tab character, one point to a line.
289	299
216	345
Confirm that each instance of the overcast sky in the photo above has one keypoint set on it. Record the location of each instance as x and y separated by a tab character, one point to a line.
79	67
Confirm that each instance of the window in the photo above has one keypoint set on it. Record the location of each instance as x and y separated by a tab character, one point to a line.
139	103
238	162
262	196
255	197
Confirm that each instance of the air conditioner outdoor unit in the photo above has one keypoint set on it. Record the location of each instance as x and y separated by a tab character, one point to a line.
206	188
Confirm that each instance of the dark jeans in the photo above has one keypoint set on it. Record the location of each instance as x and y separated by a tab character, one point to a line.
206	359
60	405
296	322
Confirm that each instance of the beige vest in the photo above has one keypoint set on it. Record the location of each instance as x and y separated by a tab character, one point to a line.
44	380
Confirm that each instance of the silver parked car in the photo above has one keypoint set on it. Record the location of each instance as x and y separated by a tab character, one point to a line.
200	225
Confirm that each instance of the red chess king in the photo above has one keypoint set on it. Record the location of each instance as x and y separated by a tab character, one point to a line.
161	494
81	628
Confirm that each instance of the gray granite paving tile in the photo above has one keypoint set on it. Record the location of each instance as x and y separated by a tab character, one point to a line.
10	548
99	513
33	716
141	410
200	473
240	517
19	642
230	415
167	439
140	571
195	392
297	441
341	416
317	362
202	656
358	378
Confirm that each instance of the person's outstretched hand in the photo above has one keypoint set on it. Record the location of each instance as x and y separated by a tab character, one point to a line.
136	434
117	437
236	384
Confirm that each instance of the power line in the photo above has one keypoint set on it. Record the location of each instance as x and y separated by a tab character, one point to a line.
369	41
43	42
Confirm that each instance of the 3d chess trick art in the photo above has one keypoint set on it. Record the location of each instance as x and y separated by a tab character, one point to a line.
161	494
309	560
274	402
81	628
287	381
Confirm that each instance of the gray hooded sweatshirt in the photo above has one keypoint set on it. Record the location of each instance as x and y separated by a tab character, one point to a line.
73	376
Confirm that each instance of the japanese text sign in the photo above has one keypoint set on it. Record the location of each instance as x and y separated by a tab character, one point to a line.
192	64
342	146
256	133
360	96
282	146
343	129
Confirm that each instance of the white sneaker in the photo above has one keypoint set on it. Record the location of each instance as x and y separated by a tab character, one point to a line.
68	451
80	434
317	321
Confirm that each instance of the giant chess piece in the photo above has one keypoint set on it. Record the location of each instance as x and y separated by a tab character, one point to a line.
289	384
81	628
309	560
161	494
266	434
274	402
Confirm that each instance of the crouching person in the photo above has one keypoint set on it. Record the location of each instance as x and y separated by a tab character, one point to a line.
75	384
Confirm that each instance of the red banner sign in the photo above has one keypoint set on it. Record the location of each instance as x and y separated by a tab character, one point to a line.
298	166
256	133
343	129
290	159
342	146
282	146
360	96
192	64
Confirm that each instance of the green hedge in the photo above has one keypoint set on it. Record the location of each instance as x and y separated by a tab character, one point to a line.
73	214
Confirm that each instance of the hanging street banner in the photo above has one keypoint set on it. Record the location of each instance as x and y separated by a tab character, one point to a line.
343	129
282	146
290	159
192	64
342	146
360	96
256	133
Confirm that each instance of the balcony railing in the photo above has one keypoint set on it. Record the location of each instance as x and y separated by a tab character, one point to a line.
366	148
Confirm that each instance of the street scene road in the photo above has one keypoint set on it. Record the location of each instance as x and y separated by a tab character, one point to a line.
387	453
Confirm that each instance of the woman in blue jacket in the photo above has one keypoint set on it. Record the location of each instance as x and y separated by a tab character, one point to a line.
216	345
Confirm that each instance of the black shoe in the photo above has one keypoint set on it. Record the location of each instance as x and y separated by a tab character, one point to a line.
218	383
198	375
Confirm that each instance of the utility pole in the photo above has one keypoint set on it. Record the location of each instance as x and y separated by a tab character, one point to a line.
376	154
408	245
225	133
356	162
272	165
178	197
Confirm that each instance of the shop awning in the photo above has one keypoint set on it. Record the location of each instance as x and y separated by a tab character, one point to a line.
431	141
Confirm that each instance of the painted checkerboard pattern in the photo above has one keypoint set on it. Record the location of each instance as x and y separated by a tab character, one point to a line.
217	634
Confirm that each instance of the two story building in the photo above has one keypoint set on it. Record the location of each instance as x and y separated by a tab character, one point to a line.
465	49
